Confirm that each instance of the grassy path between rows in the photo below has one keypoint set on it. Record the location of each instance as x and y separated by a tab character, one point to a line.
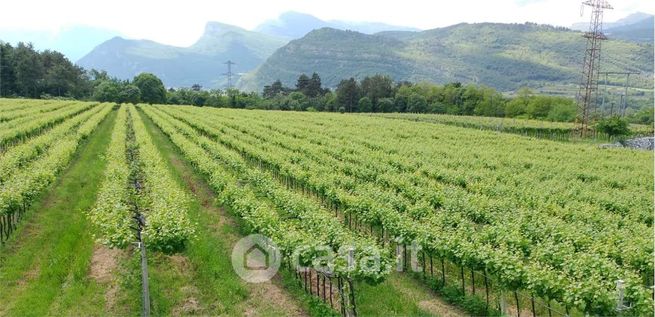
46	267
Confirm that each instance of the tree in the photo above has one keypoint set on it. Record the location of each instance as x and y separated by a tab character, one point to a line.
310	87
471	97
152	88
298	101
7	71
331	103
274	89
385	105
348	94
519	105
492	104
515	108
539	107
437	107
365	105
401	100
377	87
107	91
129	94
216	98
562	109
451	96
98	75
613	126
314	87
29	71
417	103
302	84
60	80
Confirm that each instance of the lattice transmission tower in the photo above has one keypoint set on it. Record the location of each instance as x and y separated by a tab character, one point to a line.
588	92
229	73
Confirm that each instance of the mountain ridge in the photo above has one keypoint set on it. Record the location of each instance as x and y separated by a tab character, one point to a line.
503	56
637	27
201	63
627	20
294	25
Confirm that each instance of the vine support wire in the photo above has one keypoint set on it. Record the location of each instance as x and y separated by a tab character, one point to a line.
144	268
141	223
139	220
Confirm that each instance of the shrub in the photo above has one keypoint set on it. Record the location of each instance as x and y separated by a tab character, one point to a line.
613	126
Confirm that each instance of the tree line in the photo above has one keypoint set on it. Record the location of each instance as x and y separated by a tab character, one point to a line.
26	72
380	93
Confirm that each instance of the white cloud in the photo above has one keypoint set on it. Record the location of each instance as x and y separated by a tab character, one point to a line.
181	22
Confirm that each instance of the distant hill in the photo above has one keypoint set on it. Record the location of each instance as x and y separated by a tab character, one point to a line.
294	25
638	27
642	31
202	63
504	56
74	42
630	19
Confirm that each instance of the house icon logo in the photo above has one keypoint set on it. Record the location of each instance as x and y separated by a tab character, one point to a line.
256	258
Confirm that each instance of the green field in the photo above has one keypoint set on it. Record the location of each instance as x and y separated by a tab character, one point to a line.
559	131
425	215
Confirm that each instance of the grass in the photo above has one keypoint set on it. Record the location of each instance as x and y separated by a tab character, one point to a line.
45	265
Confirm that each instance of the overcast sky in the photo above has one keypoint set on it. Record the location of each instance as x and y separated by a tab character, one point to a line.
181	22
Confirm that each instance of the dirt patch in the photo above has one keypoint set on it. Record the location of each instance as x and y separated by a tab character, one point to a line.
103	263
111	297
426	299
190	305
511	310
182	263
29	276
439	308
275	295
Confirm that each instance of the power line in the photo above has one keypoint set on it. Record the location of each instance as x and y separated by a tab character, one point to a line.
624	98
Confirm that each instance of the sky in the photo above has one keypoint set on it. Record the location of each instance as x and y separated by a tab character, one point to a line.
181	22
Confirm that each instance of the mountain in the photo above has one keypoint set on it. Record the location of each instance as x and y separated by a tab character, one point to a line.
638	27
630	19
202	63
641	31
504	56
74	41
294	25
